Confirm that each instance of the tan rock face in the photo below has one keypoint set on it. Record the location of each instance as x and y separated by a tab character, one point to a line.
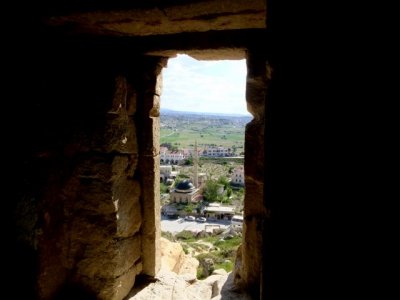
110	258
174	259
171	255
198	16
249	256
127	205
115	288
149	165
171	286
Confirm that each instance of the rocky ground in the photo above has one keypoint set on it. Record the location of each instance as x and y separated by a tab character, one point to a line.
177	280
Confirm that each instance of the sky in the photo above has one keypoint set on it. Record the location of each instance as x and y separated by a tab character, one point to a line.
204	86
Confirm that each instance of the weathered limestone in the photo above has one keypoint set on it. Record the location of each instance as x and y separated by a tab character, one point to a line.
167	18
87	189
113	289
174	259
110	259
171	286
127	205
249	257
149	164
216	282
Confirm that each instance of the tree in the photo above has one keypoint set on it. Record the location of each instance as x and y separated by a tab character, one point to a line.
234	149
211	191
189	161
163	188
228	192
189	208
224	181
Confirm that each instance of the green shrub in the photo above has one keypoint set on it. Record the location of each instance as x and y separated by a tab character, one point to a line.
185	235
185	248
163	188
211	239
200	273
229	244
226	265
228	253
213	255
198	246
168	235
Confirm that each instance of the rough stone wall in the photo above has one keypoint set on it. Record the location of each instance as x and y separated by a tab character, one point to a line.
84	172
157	17
91	188
101	201
250	256
86	206
149	128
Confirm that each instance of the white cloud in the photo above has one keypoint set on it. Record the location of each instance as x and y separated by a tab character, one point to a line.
204	86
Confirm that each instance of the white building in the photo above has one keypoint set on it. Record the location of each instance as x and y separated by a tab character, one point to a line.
171	158
217	152
216	211
237	177
237	221
165	173
201	179
166	170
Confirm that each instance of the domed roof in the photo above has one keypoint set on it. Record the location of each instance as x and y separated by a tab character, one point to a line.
184	186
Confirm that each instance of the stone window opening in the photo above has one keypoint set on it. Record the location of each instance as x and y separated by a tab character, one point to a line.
97	168
85	221
248	267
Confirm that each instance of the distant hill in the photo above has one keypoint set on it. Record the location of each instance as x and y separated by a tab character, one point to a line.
165	111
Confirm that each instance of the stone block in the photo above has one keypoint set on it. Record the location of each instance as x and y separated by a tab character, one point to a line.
126	195
112	288
120	95
159	85
131	101
110	259
119	135
198	291
94	196
254	198
254	149
87	228
124	165
150	126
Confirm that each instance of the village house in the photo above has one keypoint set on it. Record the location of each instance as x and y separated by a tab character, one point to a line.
216	211
237	177
217	152
171	157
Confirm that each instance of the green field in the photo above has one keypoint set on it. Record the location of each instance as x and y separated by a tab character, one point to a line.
221	135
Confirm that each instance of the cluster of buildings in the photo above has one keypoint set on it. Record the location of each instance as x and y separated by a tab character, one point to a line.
190	190
168	157
187	191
